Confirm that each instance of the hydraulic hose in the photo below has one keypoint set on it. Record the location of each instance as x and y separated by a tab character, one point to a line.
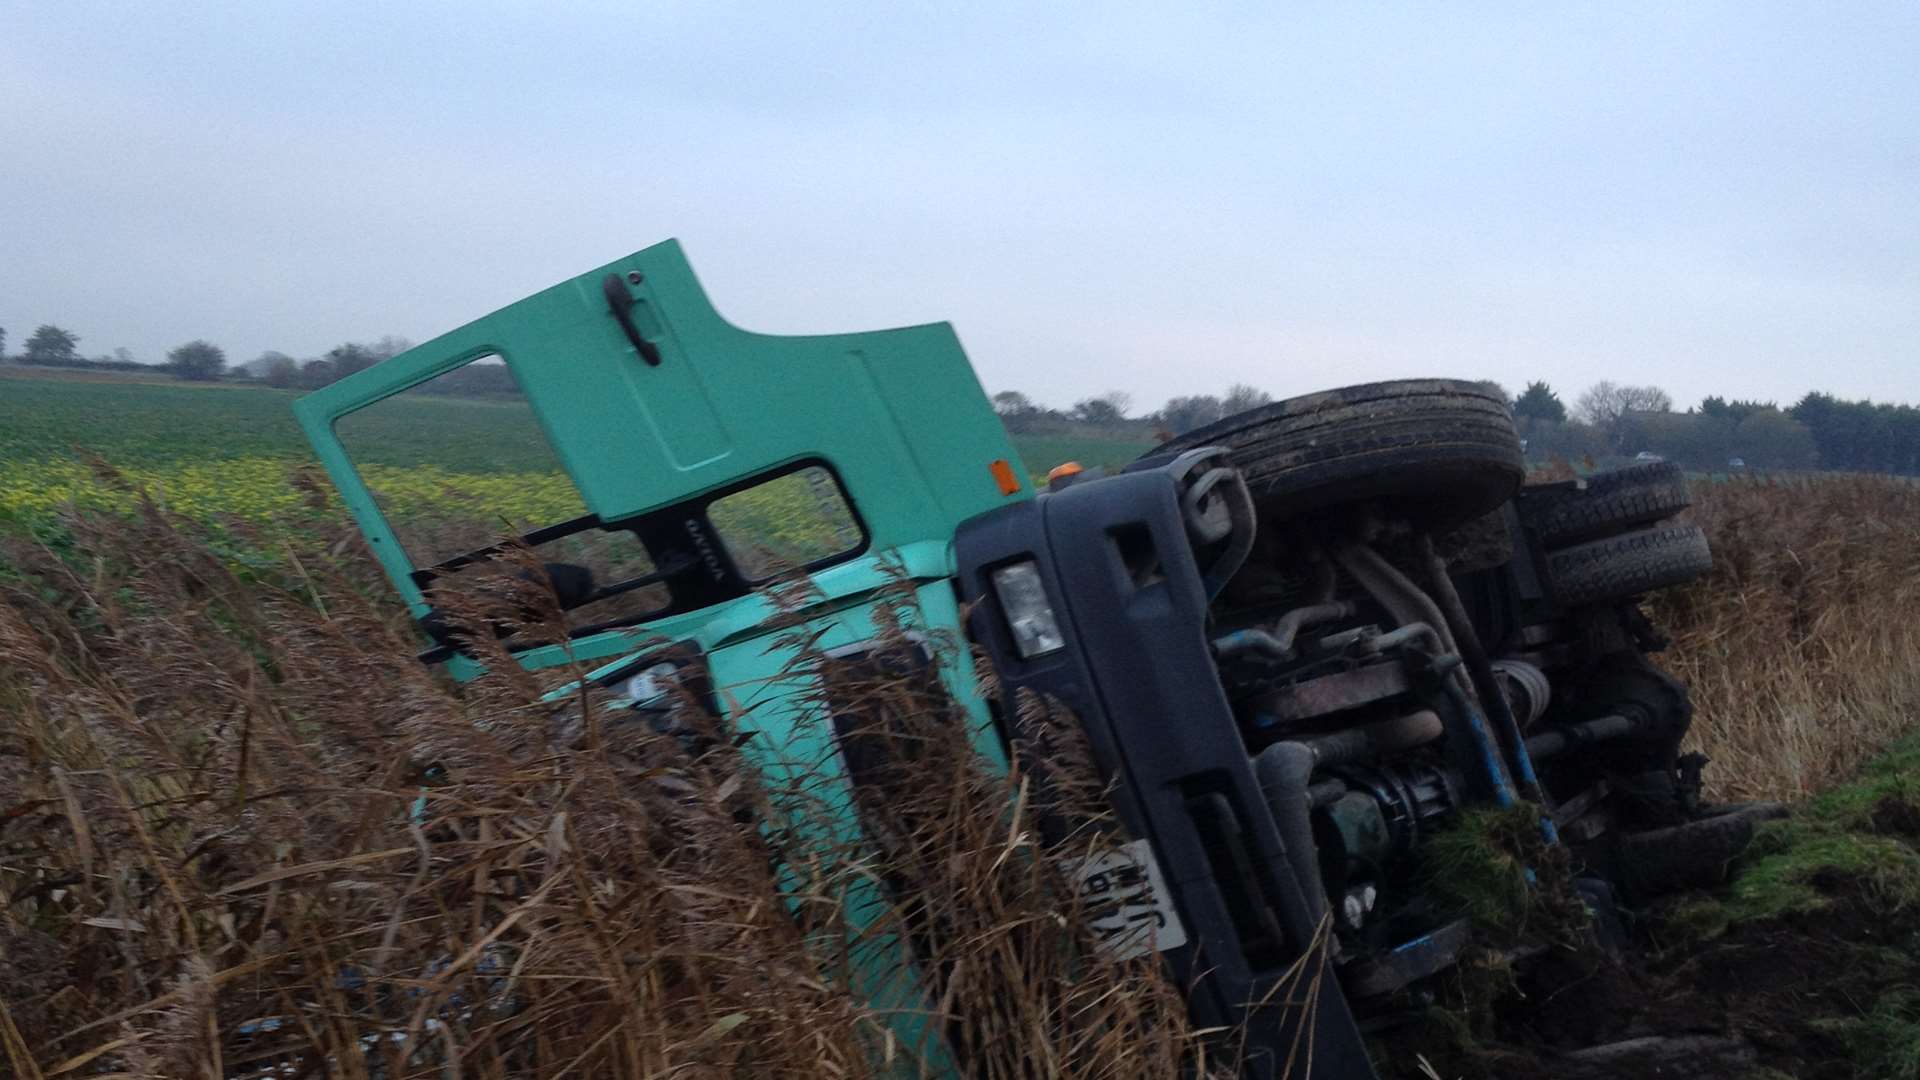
1278	643
1474	734
1376	739
1285	771
1492	698
1404	600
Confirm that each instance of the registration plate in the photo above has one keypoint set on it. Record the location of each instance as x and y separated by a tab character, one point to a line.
1127	902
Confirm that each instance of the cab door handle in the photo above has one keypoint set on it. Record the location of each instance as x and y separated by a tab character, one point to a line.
620	302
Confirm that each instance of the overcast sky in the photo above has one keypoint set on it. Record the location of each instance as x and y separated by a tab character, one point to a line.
1709	197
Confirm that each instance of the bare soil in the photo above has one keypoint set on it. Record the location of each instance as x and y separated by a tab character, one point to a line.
1811	995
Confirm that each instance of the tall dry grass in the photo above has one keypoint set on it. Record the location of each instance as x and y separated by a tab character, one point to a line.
212	863
213	743
1803	646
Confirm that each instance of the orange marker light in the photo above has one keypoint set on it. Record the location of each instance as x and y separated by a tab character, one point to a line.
1003	475
1066	469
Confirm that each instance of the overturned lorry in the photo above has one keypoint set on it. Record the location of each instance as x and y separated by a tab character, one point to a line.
1298	642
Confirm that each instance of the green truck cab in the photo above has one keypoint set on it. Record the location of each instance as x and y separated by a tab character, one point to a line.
1298	640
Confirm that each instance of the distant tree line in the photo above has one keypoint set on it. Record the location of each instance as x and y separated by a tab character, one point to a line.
203	361
1110	411
51	346
1818	431
1860	436
1607	423
278	369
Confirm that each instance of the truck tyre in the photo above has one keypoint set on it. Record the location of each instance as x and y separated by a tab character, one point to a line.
1611	502
1619	567
1694	855
1443	451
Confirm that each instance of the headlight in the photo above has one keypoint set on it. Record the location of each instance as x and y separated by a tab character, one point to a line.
1035	631
649	689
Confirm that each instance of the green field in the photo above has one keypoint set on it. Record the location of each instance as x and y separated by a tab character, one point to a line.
1043	452
226	448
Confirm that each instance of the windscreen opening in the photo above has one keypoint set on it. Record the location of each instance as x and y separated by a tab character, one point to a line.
465	478
459	462
789	521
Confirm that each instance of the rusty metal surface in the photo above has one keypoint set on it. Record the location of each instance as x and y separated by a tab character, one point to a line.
1337	692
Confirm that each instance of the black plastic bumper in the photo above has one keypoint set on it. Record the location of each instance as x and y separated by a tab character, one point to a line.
1138	672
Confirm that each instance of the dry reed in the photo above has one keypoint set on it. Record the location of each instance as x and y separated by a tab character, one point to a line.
244	833
229	795
1800	647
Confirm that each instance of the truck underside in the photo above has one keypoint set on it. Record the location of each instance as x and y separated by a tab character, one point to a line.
1293	696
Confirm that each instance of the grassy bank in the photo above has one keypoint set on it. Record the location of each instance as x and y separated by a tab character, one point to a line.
1801	966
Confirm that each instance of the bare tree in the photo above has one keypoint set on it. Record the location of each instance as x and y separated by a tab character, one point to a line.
1012	403
1109	408
1182	414
351	357
1605	404
276	368
388	347
1018	412
1240	397
317	372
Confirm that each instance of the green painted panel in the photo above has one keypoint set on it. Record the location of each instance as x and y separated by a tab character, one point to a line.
899	414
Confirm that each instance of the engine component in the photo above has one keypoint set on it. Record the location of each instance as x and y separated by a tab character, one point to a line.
1405	797
1356	832
1328	694
1284	771
1551	744
1392	590
1526	688
1628	683
1368	741
1278	642
1400	800
1357	905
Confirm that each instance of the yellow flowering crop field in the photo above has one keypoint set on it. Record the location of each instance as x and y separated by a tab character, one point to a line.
208	452
258	489
213	451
